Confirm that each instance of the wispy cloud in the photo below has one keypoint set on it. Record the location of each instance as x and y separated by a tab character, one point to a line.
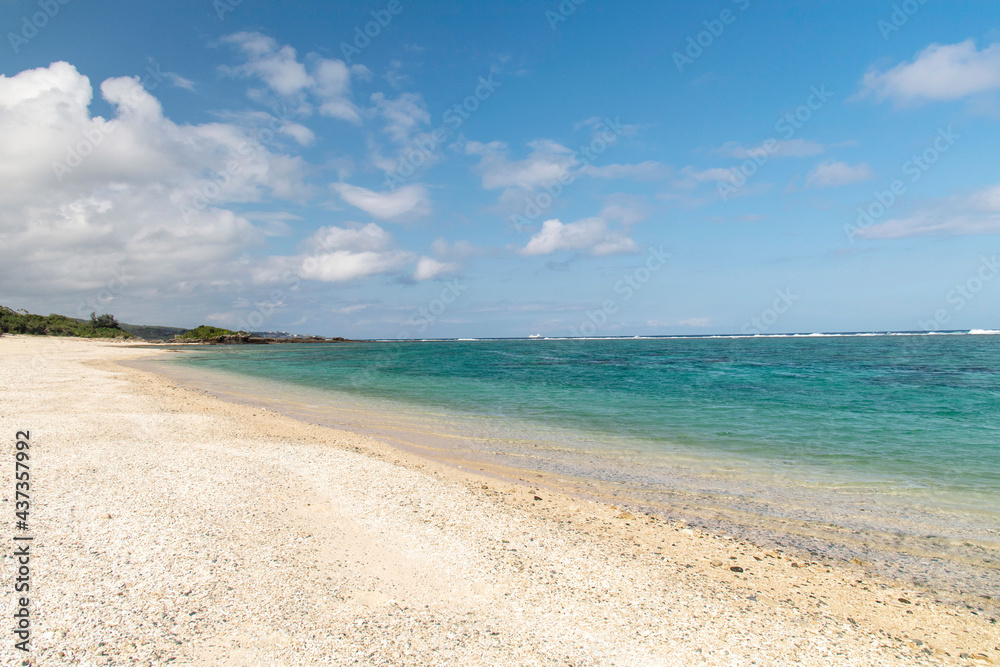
978	213
777	148
547	163
832	174
643	171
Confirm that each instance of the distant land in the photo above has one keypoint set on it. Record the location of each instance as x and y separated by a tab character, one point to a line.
106	326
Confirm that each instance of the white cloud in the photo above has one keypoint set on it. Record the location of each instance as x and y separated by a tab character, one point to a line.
260	122
939	72
339	254
410	201
429	268
179	81
978	213
279	68
590	233
830	174
81	195
343	266
547	163
300	133
404	116
367	238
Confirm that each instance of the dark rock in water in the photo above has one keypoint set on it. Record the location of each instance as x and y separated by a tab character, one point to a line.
736	568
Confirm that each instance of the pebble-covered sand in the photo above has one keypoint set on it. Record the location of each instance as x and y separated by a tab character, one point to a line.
173	528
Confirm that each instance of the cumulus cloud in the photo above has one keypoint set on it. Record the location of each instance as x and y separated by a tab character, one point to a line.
325	83
939	72
832	174
590	234
338	254
82	195
978	213
405	203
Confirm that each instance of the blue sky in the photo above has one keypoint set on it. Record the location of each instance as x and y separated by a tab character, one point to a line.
473	169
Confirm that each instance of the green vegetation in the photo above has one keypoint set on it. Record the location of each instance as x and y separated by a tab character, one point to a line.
151	332
205	332
23	322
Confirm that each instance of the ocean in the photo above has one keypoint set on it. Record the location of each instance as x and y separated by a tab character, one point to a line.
881	448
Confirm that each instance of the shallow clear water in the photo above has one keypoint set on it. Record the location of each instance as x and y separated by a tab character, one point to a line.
891	436
913	411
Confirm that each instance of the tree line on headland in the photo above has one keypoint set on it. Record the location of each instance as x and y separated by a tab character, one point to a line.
98	326
106	326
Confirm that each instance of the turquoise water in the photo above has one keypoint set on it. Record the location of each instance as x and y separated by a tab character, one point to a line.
918	411
886	447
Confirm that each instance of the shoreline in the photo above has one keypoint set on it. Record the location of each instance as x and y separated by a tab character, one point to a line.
444	554
947	551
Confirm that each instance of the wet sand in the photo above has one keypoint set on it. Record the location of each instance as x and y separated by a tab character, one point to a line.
171	524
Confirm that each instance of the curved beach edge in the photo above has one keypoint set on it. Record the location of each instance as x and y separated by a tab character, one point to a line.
172	524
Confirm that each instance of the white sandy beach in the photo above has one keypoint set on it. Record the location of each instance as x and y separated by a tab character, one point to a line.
172	526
